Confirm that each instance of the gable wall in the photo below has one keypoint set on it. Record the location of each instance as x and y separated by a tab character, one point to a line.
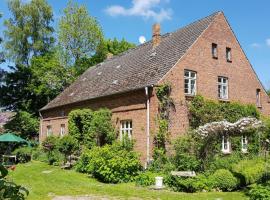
242	79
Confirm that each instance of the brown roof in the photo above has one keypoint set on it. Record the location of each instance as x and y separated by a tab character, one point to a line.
134	69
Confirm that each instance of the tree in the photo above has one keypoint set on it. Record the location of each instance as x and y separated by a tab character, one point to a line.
25	124
79	33
67	145
29	30
268	92
106	47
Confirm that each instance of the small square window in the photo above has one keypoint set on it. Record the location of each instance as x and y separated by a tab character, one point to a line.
229	54
214	51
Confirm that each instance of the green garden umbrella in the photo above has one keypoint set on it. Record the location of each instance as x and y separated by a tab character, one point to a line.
10	137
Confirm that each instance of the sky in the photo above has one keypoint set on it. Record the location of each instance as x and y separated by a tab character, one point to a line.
131	19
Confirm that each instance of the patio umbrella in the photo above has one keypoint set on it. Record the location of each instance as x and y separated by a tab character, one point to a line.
10	137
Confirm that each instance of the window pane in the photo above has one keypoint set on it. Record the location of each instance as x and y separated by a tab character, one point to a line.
186	73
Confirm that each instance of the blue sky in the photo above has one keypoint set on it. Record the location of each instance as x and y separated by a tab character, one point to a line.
132	19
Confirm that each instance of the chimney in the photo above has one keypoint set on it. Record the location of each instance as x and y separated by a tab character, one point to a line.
156	35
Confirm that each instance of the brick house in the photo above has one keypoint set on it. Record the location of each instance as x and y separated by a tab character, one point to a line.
201	58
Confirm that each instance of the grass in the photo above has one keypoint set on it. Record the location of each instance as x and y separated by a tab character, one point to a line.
58	182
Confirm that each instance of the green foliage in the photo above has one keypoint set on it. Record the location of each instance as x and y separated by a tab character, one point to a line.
146	178
39	155
25	124
224	180
110	163
50	146
29	31
67	145
250	171
204	111
185	184
91	128
79	33
23	154
10	190
259	192
186	154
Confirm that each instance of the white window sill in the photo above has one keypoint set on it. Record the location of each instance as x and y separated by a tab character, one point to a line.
244	151
226	152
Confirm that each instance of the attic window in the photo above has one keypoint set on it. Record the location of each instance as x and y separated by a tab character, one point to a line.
214	51
118	66
229	54
258	98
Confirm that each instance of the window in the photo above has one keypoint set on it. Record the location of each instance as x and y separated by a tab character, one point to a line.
225	144
62	130
49	130
214	51
258	98
229	54
244	142
126	129
222	87
190	82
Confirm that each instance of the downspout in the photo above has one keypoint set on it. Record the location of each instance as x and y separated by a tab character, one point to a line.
147	126
40	126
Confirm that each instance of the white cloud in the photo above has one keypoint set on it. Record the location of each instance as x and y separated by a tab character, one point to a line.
255	45
143	8
268	42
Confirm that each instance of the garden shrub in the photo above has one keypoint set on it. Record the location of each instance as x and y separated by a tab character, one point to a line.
91	128
188	184
23	154
186	150
259	192
67	145
110	163
250	171
224	180
147	178
39	155
50	147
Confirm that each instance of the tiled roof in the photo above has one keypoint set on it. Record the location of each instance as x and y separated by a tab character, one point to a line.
134	69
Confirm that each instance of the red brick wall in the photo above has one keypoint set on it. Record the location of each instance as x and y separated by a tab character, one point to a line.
242	79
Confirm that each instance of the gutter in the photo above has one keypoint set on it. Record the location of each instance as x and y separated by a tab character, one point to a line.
147	126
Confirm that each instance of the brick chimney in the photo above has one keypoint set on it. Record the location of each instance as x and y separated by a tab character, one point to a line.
156	35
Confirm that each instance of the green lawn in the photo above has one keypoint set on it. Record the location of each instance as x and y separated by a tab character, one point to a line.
62	182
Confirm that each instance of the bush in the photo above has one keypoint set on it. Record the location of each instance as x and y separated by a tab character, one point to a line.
147	178
39	154
186	154
110	164
23	154
188	184
250	171
67	145
224	180
50	146
259	192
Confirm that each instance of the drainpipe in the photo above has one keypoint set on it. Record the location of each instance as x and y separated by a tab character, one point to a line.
40	126
147	126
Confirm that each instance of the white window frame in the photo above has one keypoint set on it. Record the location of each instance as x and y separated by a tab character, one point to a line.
244	144
258	98
214	50
191	91
226	145
49	130
223	87
229	54
62	129
126	128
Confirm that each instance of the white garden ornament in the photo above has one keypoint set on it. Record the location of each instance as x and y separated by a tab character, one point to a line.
224	126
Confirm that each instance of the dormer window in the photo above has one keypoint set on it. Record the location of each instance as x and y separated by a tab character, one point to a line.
244	143
229	54
214	51
225	144
258	98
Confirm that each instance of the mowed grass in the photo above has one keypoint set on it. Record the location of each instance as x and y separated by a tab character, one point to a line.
60	182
